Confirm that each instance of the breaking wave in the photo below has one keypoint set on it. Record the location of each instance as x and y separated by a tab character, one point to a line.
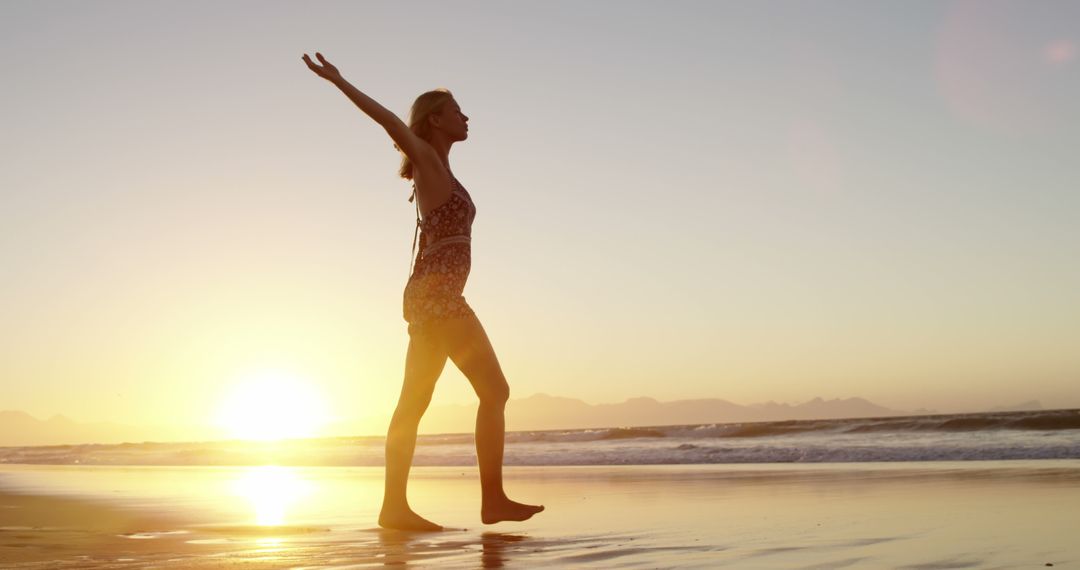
961	437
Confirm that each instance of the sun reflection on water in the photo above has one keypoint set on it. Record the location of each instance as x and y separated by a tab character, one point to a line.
269	545
271	490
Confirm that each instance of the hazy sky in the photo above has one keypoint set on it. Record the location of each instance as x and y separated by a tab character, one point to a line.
746	200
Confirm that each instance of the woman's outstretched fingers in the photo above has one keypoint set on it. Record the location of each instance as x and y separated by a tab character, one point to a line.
326	64
326	71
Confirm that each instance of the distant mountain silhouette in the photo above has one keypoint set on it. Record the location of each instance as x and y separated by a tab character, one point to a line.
538	412
20	428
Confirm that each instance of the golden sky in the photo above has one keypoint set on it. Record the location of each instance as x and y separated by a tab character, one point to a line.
754	201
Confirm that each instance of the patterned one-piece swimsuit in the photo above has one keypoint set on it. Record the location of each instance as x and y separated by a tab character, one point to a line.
443	261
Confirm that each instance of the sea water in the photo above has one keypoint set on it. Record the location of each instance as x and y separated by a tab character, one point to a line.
1053	434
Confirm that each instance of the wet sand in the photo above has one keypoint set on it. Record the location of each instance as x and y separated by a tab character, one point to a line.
902	515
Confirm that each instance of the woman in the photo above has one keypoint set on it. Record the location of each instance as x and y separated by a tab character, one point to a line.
441	323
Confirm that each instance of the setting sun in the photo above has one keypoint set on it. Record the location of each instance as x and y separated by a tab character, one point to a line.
270	405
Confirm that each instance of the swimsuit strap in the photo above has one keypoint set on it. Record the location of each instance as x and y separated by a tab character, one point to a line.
416	232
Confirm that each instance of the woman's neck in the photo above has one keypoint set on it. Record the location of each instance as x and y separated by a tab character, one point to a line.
442	149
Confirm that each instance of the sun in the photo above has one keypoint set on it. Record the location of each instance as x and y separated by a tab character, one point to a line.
272	405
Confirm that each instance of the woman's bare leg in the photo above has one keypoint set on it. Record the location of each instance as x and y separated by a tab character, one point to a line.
424	363
470	349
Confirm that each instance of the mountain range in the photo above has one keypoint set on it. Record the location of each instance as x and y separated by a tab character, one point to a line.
20	428
537	412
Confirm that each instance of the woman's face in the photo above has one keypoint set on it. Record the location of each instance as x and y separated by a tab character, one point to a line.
453	121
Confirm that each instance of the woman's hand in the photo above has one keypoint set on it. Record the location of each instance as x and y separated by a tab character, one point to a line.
416	148
327	70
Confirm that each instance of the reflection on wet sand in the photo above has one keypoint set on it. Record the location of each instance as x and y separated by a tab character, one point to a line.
401	547
496	546
1002	514
495	549
271	490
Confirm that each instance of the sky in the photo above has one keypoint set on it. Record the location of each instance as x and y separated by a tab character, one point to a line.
743	200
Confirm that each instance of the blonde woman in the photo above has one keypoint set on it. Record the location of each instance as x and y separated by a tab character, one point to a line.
441	323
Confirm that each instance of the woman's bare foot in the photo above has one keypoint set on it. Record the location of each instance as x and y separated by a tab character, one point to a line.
405	519
507	510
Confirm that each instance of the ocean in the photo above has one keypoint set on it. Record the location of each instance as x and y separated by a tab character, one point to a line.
1052	434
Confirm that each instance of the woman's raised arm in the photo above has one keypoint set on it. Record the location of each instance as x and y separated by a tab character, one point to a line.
416	148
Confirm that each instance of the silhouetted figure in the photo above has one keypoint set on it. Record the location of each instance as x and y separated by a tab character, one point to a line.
441	323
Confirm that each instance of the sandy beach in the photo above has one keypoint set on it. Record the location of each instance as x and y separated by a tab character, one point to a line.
902	515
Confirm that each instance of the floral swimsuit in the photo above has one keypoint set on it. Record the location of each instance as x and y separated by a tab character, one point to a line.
434	290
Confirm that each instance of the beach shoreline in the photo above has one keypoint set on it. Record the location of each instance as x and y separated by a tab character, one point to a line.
897	515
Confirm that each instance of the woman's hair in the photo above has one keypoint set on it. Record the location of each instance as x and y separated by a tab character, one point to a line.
425	105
